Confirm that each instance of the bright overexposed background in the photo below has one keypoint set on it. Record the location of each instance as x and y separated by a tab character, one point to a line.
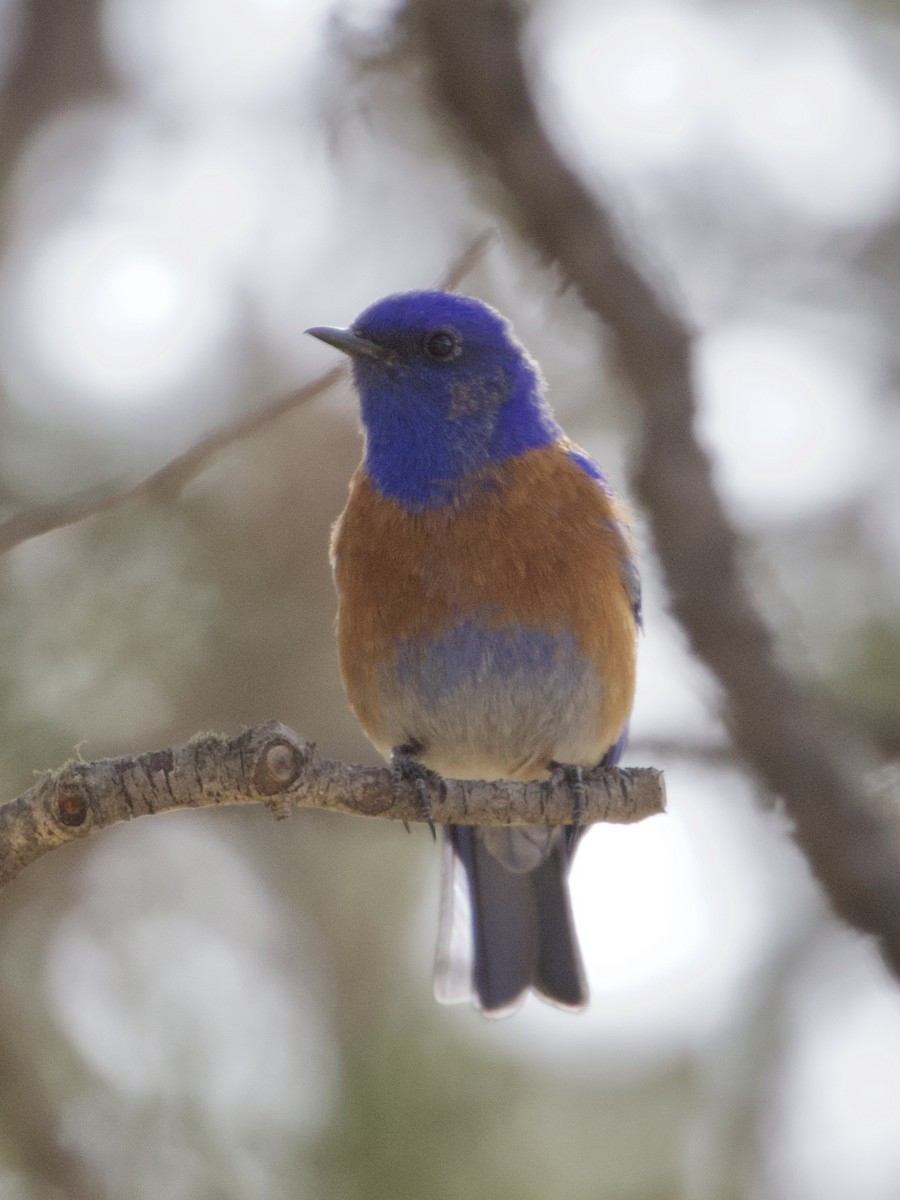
210	1005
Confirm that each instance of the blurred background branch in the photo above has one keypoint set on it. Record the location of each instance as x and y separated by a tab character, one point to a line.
799	747
60	61
167	482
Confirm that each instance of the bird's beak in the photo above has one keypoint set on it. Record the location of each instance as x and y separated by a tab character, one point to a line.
351	343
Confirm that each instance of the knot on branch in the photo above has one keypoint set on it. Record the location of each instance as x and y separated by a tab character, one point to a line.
71	808
66	799
281	759
279	765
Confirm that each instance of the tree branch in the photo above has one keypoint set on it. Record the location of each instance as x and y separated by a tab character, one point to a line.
796	745
169	480
271	765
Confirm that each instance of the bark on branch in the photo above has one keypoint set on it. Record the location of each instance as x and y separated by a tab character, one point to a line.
270	764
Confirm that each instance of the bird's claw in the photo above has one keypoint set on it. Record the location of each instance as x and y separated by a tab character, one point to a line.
407	770
574	777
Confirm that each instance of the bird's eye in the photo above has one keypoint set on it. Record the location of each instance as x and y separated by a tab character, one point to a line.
442	344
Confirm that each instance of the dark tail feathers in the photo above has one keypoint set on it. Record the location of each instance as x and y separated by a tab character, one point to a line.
522	930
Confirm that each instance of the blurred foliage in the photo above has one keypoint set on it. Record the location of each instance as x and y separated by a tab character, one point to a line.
223	1007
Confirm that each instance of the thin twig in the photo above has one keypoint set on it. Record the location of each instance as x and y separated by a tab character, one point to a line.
272	765
169	480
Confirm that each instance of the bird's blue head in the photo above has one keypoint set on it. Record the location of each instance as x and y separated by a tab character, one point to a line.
445	390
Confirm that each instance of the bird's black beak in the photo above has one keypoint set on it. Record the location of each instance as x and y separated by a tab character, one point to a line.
351	343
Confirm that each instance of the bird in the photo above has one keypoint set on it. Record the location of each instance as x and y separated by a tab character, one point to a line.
488	612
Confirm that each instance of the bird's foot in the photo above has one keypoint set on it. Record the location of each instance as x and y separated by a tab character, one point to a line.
574	777
407	770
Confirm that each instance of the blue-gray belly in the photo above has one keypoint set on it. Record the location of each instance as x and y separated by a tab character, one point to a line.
494	702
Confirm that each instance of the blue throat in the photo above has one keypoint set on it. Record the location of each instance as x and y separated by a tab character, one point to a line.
429	440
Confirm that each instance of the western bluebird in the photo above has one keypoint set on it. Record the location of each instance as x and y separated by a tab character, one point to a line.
488	607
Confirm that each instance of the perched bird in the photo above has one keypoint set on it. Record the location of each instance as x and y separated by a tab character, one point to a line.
488	607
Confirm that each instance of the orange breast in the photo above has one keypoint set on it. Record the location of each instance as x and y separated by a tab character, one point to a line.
534	552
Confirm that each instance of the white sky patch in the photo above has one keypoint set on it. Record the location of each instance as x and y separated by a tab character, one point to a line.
791	420
676	696
833	1125
134	301
119	314
215	52
225	187
179	994
634	81
635	937
779	93
813	122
